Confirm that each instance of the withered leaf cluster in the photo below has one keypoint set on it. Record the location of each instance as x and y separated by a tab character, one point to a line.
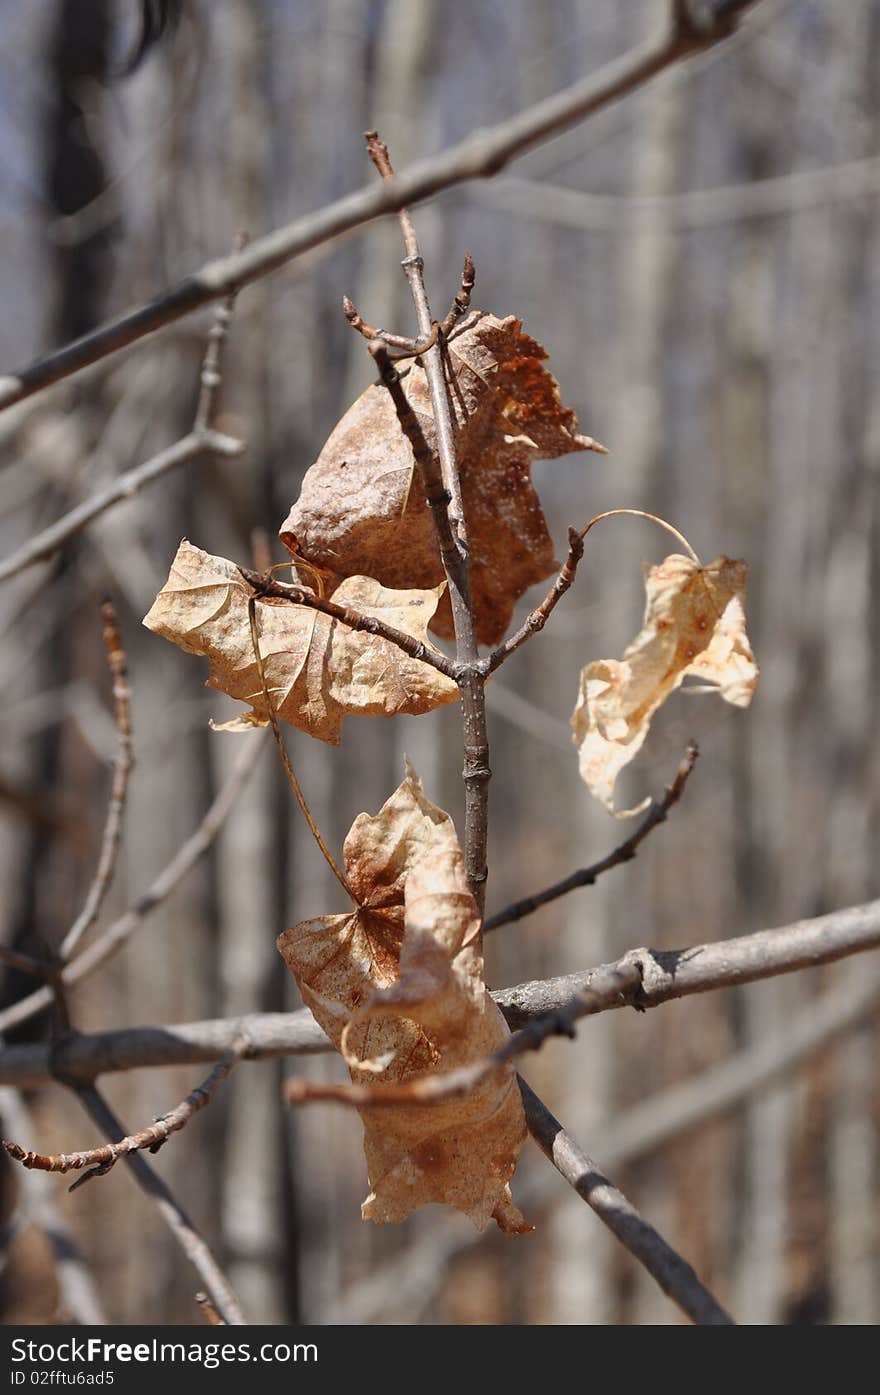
397	984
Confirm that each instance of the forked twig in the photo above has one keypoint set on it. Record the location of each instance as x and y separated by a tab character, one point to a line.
99	1161
179	1223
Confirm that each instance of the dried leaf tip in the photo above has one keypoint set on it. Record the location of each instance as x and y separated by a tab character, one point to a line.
590	443
694	626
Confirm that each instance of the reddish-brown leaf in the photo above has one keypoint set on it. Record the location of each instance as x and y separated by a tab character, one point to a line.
362	507
398	986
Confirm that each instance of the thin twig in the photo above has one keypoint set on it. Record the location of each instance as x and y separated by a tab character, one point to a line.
185	1232
266	587
116	935
24	963
624	852
119	789
212	364
462	300
538	618
641	979
100	1161
674	1275
480	155
285	758
271	1035
44	544
399	345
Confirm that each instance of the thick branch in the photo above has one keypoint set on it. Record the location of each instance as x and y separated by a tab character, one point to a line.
115	936
724	964
641	979
674	1275
267	587
481	154
624	852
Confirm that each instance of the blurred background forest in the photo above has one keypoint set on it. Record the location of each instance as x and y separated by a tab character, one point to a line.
702	264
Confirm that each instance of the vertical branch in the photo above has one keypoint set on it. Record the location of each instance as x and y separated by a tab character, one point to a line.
476	773
121	770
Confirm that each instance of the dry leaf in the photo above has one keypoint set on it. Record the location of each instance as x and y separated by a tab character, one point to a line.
398	987
317	669
362	506
694	626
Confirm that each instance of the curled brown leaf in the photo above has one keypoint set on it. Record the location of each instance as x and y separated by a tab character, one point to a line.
398	987
694	626
362	508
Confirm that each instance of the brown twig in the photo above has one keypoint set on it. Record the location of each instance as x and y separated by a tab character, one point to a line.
398	345
266	587
538	618
119	789
641	979
462	301
445	498
185	1232
119	931
24	963
480	155
624	852
99	1161
674	1275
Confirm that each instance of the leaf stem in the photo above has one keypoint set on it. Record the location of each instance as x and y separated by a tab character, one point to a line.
285	758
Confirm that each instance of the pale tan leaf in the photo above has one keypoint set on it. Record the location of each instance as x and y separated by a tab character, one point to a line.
398	987
694	626
317	669
362	507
